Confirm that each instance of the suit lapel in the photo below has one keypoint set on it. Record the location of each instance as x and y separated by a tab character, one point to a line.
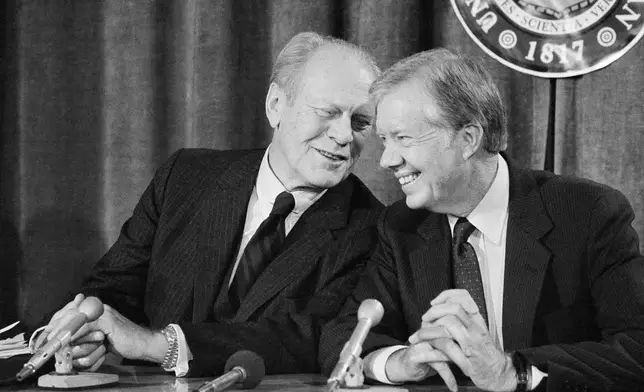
431	264
526	259
302	249
222	223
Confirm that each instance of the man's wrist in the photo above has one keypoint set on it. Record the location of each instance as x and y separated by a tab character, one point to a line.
507	376
394	367
398	370
522	373
156	347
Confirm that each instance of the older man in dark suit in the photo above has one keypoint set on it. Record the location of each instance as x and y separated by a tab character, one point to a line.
522	279
230	250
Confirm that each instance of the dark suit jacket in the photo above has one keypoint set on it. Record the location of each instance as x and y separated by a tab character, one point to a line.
174	256
573	297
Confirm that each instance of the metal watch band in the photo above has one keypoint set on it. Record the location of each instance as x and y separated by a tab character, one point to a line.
172	354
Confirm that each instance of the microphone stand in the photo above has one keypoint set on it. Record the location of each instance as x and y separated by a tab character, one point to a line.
352	379
65	377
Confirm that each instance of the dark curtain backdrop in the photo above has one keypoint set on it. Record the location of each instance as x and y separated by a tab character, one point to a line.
98	93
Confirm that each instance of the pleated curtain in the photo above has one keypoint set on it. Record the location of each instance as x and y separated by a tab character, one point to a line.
98	93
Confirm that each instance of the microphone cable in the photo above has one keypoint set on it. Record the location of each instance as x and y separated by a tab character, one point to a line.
8	381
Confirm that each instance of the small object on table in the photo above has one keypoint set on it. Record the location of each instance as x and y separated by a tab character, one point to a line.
65	377
64	361
353	378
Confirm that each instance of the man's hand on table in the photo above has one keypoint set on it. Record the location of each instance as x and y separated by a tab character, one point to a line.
455	315
87	347
110	332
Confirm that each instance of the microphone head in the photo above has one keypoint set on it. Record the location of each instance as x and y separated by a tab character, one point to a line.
371	309
252	364
92	307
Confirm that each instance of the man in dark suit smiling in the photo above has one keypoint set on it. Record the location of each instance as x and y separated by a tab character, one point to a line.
522	279
230	250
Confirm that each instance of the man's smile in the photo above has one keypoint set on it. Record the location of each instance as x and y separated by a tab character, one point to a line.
331	156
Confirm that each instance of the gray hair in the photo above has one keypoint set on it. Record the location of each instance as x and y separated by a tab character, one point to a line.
293	57
461	87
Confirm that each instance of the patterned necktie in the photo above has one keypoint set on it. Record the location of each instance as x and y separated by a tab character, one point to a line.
467	274
262	248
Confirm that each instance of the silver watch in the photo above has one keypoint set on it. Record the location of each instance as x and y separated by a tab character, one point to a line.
172	355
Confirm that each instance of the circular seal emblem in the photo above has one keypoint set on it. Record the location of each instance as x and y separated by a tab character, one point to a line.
553	38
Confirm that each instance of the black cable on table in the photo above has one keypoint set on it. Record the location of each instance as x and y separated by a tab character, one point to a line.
8	381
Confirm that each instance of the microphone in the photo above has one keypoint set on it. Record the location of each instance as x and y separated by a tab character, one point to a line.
369	314
89	310
243	366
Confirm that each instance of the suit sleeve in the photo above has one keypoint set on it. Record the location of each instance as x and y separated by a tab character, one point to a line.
119	278
379	281
287	337
616	275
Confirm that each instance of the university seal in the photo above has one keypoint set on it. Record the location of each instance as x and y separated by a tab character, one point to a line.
553	38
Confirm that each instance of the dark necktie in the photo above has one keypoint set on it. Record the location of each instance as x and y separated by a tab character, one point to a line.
262	248
467	274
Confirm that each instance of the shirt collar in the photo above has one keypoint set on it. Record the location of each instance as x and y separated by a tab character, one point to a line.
268	186
489	215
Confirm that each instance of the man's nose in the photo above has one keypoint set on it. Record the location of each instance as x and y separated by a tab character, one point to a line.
390	158
340	131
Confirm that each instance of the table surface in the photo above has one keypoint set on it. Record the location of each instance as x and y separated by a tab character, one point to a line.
144	379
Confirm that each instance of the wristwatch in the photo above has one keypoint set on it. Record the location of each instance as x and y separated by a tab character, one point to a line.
172	355
522	368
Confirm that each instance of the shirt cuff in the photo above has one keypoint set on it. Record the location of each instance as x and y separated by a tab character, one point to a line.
375	364
537	376
184	355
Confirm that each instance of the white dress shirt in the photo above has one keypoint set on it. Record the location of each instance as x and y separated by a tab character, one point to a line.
490	218
267	187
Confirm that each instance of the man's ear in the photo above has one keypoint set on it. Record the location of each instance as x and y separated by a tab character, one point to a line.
275	102
473	137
